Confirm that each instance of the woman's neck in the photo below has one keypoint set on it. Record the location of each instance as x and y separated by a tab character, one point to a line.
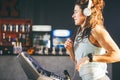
82	28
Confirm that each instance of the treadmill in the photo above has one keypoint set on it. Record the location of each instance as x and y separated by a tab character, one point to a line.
34	71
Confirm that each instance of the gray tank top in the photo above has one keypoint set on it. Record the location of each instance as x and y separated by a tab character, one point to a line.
92	70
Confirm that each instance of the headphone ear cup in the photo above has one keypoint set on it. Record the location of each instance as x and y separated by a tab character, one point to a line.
87	11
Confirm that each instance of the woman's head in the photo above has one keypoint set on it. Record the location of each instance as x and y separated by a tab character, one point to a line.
78	15
96	16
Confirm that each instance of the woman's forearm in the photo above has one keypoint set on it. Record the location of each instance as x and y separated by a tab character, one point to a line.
108	58
71	54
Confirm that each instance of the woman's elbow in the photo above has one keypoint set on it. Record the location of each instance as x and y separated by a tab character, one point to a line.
115	57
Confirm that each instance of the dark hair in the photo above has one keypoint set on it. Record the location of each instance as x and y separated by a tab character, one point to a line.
82	3
78	30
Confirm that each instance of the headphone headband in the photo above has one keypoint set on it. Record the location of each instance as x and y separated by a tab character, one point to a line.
87	11
89	3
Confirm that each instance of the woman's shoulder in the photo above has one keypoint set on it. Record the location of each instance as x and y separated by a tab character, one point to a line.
98	33
98	29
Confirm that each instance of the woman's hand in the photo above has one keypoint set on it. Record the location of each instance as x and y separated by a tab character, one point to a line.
68	44
81	62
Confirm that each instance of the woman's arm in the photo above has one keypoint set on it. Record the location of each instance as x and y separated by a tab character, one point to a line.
69	47
104	39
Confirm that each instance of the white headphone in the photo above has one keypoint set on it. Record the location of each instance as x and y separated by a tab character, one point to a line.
87	10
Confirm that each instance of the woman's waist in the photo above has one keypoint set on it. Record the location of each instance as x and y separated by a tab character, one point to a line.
97	69
92	76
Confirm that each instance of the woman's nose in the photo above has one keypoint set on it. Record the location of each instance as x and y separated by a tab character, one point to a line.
73	16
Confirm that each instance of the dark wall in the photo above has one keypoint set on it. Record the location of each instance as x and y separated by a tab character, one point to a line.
57	13
111	16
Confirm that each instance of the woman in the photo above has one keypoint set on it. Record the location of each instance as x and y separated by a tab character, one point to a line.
92	47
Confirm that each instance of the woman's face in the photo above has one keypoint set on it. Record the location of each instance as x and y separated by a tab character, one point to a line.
78	16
